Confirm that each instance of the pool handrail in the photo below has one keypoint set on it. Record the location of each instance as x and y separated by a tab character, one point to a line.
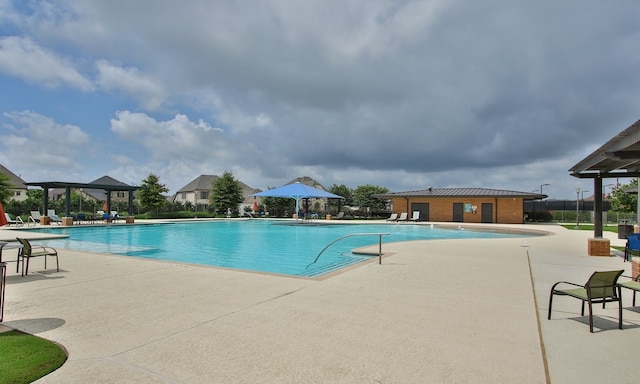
350	235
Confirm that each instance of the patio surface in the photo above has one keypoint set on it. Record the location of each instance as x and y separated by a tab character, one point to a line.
438	311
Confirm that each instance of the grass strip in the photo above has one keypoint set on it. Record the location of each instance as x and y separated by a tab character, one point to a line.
25	358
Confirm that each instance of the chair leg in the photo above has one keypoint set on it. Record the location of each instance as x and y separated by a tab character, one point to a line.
634	298
582	310
550	303
590	317
619	307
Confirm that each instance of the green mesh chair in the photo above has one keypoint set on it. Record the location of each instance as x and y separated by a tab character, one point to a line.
29	251
601	287
633	285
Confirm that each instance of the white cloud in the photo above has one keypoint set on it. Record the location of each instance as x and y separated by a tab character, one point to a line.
178	137
38	143
131	82
24	58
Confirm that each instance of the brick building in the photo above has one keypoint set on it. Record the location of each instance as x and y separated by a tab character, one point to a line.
463	205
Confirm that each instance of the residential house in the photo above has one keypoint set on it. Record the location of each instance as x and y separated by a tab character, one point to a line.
18	188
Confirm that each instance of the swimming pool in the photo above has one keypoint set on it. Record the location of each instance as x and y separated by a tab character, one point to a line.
254	245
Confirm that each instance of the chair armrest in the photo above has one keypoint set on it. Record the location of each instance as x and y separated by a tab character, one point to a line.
42	247
566	282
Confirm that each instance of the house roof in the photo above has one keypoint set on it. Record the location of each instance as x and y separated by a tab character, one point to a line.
100	194
202	182
14	179
306	180
462	192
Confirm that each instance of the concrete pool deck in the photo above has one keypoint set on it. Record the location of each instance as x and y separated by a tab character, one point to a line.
439	311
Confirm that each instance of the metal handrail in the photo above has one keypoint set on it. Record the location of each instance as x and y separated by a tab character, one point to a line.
350	235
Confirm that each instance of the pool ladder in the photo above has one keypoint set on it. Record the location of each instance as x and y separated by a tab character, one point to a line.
351	235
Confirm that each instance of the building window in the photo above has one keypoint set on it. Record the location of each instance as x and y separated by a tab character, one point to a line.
184	196
204	195
17	193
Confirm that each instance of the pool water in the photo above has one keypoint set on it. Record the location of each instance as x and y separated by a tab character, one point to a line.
254	245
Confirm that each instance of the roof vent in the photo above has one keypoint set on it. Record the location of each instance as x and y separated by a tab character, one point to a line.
430	189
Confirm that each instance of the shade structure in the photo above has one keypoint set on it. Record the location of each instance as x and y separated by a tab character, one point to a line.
298	191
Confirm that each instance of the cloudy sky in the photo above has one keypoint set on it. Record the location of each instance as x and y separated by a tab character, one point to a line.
401	94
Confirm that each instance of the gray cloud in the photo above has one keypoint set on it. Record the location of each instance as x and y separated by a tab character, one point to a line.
400	94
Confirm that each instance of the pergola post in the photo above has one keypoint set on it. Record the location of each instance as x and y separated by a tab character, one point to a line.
597	209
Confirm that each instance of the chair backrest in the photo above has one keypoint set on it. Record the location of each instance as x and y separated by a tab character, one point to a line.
403	216
8	217
634	241
393	216
340	214
51	212
35	215
603	284
416	215
26	246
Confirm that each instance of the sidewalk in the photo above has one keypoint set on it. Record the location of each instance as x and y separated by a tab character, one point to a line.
440	311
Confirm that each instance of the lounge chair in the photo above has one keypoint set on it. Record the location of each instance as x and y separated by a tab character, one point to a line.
340	215
393	217
17	221
633	244
415	216
634	285
52	215
403	216
601	287
32	250
114	216
34	217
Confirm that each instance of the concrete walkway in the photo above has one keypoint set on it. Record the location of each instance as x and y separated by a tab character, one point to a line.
439	311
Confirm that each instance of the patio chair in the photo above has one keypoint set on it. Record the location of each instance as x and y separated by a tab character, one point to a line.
17	221
34	216
415	216
29	251
340	215
393	217
403	216
633	244
52	215
634	285
601	287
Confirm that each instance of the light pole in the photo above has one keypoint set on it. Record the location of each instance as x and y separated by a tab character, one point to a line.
542	185
582	198
577	208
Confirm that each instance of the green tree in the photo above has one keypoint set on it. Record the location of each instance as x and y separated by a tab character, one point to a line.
363	198
5	188
150	196
341	190
621	200
279	206
226	194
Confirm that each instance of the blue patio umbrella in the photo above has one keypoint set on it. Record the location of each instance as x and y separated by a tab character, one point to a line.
298	191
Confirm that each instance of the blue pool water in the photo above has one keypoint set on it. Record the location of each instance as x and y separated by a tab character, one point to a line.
255	245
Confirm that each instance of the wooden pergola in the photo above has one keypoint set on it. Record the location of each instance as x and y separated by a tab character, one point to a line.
619	157
108	188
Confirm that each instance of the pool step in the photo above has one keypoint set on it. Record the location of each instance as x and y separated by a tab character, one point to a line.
336	265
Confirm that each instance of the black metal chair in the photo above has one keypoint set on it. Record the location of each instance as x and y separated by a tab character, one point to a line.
634	285
602	287
633	244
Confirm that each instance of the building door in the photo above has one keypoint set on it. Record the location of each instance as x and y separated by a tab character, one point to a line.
458	212
487	213
423	208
